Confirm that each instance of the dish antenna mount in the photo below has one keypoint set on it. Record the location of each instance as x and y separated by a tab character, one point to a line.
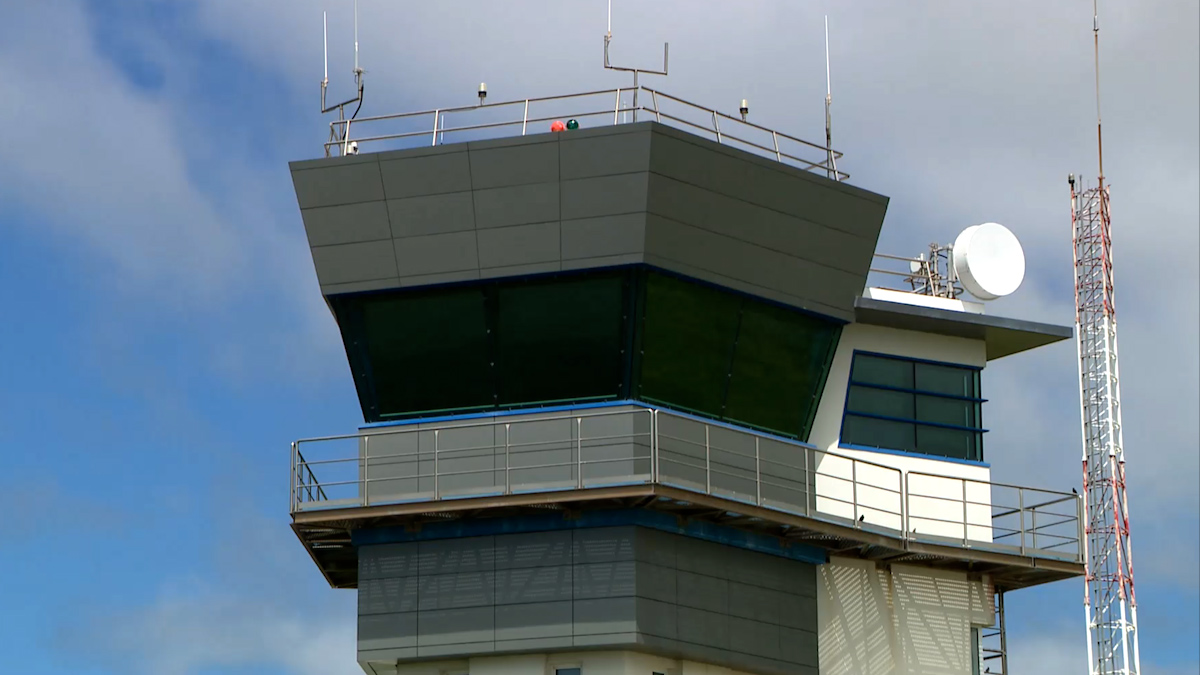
339	132
636	71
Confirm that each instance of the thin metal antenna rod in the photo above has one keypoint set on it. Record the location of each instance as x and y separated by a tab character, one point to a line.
325	41
636	71
356	68
831	166
1096	44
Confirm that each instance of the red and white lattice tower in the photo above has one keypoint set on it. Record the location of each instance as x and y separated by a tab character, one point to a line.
1109	602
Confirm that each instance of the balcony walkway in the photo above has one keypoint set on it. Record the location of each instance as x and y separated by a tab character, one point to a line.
644	458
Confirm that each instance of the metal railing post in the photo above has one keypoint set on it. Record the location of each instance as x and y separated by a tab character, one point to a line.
366	477
654	468
579	452
757	475
707	464
292	481
654	98
905	508
964	510
617	107
810	482
436	491
716	126
507	480
1021	516
854	489
525	117
436	115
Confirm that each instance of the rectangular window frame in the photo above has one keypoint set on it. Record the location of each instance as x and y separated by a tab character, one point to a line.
978	401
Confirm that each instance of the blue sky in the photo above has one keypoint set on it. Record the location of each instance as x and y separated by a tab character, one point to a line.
167	340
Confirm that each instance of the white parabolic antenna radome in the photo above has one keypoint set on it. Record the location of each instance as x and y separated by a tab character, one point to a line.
989	261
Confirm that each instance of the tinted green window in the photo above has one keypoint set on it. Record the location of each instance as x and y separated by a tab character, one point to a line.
730	356
428	352
559	340
914	406
779	367
687	342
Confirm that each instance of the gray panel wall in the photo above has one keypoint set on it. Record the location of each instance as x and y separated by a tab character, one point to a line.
619	587
588	198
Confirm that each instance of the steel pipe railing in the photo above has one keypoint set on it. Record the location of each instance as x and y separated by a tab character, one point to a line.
823	158
582	450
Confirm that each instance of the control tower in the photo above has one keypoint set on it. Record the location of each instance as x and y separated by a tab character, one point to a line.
631	408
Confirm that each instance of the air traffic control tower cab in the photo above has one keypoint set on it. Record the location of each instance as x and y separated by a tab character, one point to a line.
629	406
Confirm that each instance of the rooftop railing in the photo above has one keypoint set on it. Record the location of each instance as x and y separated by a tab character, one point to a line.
605	107
644	446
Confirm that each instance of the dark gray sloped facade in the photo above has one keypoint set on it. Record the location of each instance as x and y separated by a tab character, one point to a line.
631	194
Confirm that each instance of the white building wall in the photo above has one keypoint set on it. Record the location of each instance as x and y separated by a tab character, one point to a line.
591	663
955	504
900	621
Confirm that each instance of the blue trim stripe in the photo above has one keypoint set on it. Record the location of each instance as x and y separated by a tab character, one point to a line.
919	423
919	392
918	455
664	522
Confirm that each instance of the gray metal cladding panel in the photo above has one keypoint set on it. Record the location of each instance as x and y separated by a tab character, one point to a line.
759	225
603	236
444	556
431	214
534	620
616	587
537	549
525	585
349	183
604	195
425	175
346	263
725	257
771	184
605	155
346	224
519	245
514	165
516	205
604	579
437	254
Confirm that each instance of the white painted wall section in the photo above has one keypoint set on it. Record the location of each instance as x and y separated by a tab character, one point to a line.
942	498
899	621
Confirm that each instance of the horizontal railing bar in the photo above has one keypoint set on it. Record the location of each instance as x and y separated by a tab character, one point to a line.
501	104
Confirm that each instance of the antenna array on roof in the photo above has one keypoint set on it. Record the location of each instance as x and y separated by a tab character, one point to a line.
347	147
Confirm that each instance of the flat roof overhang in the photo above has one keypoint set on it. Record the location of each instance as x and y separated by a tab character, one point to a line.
326	533
1003	336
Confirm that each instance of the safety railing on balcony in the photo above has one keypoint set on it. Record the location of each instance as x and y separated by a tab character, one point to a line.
644	446
605	107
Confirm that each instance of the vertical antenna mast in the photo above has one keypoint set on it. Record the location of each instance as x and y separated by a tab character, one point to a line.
1110	605
831	161
339	130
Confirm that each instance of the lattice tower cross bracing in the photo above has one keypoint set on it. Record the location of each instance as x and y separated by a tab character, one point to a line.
1110	603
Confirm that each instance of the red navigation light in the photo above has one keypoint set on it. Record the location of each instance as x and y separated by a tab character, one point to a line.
557	125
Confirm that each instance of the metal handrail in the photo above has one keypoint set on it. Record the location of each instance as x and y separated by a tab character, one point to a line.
848	489
437	131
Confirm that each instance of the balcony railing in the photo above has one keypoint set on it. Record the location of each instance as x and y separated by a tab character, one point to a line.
605	107
643	446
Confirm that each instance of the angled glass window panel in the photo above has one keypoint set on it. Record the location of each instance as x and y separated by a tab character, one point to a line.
880	402
779	366
687	343
428	351
948	442
560	339
947	411
876	433
950	380
883	371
